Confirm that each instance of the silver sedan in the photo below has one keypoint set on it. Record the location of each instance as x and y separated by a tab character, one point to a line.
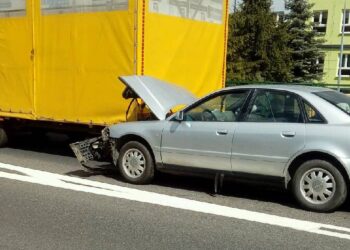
295	135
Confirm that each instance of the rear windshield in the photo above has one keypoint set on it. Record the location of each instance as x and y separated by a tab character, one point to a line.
338	99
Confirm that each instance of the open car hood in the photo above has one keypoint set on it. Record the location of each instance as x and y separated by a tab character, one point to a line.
160	96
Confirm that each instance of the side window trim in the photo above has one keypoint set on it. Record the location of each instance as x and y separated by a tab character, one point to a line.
249	104
301	107
245	106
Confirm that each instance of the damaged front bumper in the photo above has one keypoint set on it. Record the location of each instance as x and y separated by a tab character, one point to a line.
94	149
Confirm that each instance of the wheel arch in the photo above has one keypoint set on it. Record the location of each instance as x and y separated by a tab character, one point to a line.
313	155
132	137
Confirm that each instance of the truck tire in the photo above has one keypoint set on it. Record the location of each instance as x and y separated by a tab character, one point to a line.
319	186
3	137
136	163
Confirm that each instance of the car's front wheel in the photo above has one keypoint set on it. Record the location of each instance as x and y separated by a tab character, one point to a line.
136	163
319	186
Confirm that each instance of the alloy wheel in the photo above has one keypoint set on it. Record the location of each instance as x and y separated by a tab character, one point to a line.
134	163
317	186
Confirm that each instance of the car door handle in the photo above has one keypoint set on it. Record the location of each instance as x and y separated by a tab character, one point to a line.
288	134
222	132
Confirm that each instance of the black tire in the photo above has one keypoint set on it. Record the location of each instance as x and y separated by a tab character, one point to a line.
333	190
3	137
129	171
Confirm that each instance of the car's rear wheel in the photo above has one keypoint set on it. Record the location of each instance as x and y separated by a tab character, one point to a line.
319	186
136	163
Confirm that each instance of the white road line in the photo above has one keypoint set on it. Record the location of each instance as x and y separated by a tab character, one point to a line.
99	188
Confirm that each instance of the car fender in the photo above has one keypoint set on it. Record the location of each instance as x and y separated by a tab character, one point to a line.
149	131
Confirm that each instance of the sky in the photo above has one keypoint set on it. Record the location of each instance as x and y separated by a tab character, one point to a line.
278	5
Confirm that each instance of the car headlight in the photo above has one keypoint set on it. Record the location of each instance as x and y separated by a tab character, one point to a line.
105	134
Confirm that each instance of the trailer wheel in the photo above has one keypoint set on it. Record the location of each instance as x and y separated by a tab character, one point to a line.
136	163
3	137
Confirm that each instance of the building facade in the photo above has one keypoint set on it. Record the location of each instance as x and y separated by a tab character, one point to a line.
328	21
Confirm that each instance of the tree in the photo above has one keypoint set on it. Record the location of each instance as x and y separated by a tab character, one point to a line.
304	42
257	48
280	63
236	69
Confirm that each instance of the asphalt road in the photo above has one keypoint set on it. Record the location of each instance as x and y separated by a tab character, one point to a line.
46	216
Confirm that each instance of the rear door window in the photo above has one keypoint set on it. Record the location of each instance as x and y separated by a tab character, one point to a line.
274	106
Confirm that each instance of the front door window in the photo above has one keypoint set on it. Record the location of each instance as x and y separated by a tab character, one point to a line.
222	108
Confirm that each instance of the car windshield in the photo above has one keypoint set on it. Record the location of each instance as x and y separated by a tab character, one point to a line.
339	100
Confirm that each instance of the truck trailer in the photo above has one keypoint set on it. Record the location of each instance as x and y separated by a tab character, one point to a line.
60	59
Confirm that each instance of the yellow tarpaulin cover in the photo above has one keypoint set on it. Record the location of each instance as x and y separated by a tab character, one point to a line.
59	60
16	66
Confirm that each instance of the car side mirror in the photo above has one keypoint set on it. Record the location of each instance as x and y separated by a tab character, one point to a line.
179	116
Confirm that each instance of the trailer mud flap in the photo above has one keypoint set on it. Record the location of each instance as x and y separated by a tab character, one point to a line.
94	149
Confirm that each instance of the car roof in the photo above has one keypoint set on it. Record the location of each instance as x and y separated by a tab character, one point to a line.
288	87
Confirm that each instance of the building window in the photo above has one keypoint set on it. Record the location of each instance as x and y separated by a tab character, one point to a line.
320	63
320	21
345	66
346	21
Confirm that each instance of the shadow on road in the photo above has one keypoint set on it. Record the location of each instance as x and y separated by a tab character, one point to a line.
58	144
231	188
96	169
48	143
